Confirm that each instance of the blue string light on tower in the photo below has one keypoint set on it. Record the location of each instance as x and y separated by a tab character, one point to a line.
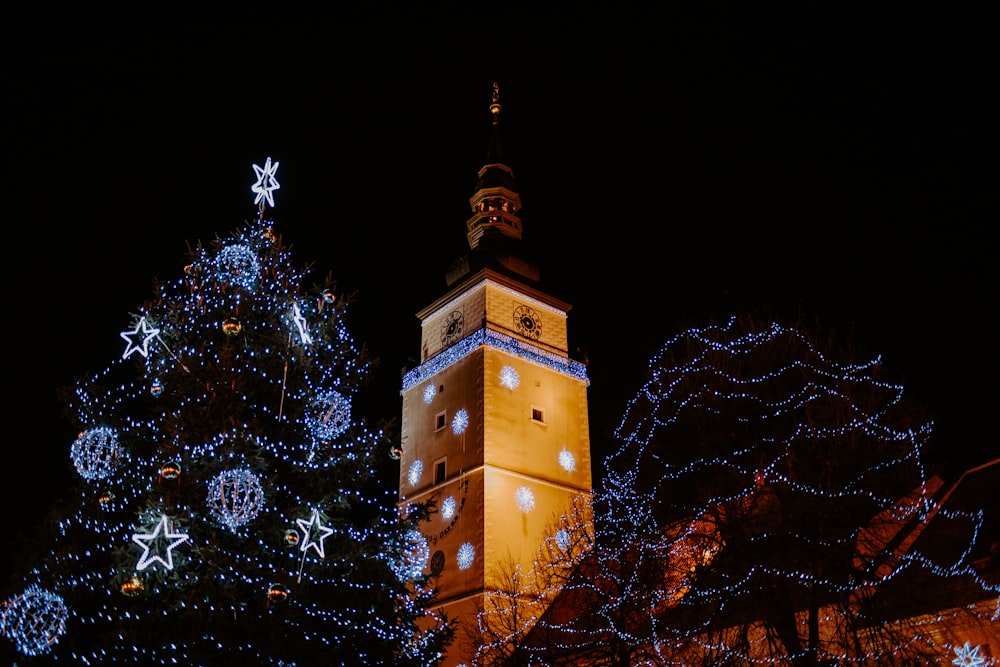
228	505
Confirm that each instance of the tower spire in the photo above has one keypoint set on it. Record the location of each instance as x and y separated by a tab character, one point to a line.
494	231
495	152
495	202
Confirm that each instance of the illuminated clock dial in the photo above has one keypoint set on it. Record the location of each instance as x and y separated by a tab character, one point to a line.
527	322
451	329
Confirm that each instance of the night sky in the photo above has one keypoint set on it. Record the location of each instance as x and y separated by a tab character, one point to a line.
672	170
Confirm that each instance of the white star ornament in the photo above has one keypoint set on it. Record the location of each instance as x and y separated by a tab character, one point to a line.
266	182
307	533
142	347
152	543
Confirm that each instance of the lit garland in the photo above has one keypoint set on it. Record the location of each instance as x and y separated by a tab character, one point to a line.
240	366
499	341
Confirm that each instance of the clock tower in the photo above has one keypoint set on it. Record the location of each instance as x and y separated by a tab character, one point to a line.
494	424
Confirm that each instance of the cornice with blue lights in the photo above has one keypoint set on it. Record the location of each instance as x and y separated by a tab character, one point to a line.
499	341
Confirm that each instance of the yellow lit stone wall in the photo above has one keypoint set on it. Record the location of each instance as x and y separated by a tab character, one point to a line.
523	455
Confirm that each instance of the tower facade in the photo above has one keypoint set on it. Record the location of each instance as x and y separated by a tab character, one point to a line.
495	423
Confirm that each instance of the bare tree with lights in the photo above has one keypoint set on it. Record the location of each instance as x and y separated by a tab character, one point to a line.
229	507
763	507
515	599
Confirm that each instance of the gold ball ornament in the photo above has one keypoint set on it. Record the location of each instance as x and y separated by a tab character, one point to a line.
170	471
132	586
276	594
232	326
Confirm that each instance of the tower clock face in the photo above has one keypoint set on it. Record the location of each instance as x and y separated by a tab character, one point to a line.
451	329
527	322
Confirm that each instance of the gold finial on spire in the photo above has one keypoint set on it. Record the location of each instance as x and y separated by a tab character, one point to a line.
495	107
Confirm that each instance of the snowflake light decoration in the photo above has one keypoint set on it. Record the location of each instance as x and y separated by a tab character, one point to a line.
448	507
968	656
96	453
466	554
567	461
460	422
235	497
329	415
34	620
430	391
138	339
525	499
509	377
266	182
416	470
162	539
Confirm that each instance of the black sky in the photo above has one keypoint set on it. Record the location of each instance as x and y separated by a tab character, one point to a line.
672	169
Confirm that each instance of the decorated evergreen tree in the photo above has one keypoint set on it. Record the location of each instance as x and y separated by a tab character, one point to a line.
228	508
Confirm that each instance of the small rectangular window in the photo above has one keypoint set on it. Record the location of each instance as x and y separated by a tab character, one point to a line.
537	415
440	471
441	421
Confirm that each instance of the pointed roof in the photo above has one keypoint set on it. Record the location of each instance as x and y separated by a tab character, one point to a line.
495	172
494	231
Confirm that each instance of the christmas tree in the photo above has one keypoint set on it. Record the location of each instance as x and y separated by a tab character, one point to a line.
228	508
